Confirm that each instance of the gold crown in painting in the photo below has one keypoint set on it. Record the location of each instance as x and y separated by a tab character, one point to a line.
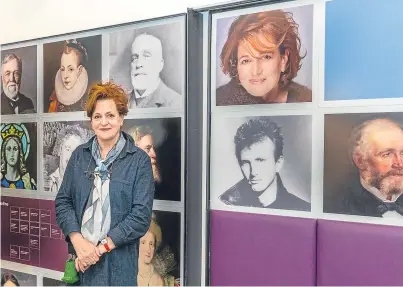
11	131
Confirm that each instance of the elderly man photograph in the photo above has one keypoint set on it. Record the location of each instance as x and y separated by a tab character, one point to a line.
12	101
147	62
259	146
159	139
376	150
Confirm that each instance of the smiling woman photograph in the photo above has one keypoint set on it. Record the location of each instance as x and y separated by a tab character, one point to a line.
104	204
264	58
70	67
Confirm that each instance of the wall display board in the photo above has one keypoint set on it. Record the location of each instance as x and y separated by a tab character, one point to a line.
30	234
291	133
304	120
262	89
45	86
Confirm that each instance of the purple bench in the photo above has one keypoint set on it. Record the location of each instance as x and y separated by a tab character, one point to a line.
358	254
253	249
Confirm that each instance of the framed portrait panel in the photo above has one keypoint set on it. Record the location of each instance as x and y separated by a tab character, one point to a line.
160	250
261	162
19	156
60	139
363	164
160	138
69	68
16	278
149	62
19	81
263	57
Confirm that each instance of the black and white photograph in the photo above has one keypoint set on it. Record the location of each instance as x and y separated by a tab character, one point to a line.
18	156
363	164
261	162
15	278
149	63
159	251
263	57
161	140
69	68
19	81
60	139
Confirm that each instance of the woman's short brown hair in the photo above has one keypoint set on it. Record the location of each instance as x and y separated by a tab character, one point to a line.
104	91
279	28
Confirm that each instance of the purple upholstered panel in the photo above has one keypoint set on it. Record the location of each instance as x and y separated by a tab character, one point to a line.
251	249
357	254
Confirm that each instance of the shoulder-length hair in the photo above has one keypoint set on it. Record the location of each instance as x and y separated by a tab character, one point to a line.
279	29
20	164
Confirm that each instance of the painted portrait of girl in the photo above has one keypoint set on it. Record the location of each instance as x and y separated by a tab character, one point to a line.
15	148
69	68
262	56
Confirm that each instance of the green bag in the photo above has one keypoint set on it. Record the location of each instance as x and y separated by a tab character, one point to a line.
70	275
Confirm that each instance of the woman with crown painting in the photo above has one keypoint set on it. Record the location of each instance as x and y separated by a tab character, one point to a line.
15	144
71	81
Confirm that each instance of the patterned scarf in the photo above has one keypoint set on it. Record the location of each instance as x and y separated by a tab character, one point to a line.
97	217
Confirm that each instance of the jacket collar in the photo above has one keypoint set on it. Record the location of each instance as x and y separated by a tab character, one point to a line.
129	147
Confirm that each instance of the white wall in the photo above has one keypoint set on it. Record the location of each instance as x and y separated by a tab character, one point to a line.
22	20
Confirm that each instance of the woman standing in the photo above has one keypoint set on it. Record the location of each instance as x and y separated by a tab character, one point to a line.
104	204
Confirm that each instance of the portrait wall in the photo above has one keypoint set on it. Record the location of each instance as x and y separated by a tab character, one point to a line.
19	156
363	164
19	81
149	62
352	71
60	139
160	138
261	162
10	277
69	68
159	251
263	57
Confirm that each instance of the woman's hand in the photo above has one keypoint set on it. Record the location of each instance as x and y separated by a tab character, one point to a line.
87	253
80	266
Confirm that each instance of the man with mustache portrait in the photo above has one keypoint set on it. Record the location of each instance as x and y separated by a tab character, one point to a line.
12	101
376	149
147	62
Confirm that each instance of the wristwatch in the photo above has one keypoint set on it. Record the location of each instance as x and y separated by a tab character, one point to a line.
104	242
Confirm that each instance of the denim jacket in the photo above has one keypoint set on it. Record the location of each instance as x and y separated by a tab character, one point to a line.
131	193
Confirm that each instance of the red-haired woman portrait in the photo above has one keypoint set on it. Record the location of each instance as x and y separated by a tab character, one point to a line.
262	56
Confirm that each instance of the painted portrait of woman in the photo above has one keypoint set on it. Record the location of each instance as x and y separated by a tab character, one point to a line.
15	147
69	67
158	265
262	55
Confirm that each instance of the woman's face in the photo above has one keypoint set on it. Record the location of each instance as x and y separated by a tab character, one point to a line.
12	152
259	73
70	69
106	121
147	247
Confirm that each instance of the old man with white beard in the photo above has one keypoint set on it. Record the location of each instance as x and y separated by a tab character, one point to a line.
12	101
376	148
149	91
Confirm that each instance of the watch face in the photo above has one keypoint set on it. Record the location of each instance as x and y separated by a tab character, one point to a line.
103	241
